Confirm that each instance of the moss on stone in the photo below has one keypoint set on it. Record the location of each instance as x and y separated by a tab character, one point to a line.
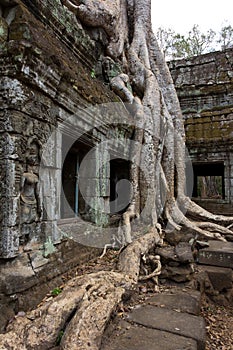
49	247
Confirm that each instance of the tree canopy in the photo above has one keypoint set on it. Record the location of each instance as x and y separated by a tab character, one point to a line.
175	45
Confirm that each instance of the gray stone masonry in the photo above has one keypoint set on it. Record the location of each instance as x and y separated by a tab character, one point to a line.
174	322
166	321
217	254
221	278
205	91
135	337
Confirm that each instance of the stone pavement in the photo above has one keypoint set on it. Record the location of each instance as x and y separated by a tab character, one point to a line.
171	320
166	321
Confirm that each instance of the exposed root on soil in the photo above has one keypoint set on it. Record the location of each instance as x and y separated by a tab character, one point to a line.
83	309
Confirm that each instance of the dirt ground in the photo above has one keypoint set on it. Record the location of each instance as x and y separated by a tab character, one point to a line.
219	326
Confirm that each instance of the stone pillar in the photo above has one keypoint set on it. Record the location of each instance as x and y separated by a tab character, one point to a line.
9	214
230	179
51	178
9	195
95	184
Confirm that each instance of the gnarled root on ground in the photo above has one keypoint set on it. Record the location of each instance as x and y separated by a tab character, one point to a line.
83	309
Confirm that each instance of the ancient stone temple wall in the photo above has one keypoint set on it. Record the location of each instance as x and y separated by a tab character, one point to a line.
48	67
55	114
204	86
48	119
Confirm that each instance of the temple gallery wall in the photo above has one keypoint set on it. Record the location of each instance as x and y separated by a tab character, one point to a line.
48	125
53	75
205	90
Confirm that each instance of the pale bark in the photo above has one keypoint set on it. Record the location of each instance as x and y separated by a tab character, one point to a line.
128	26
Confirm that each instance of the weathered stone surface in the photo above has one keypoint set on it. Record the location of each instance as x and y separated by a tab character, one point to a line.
217	254
167	254
171	321
27	279
179	301
176	262
173	237
133	337
42	86
180	253
183	235
221	278
37	259
184	252
17	276
178	273
204	88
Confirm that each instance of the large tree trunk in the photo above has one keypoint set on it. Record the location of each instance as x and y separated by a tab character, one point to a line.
83	309
158	118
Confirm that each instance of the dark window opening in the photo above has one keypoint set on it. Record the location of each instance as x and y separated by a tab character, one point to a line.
72	202
209	180
120	187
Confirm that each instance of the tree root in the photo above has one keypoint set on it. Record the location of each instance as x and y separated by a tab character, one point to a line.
87	326
130	258
83	309
212	227
197	212
203	229
157	271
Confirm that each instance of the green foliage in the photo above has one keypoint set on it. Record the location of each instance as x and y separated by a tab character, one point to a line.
175	45
93	76
56	291
165	38
199	42
59	337
226	37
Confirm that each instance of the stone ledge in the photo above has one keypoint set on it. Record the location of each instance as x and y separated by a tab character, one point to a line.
221	278
217	254
26	280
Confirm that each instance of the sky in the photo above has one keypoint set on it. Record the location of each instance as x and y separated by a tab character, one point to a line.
181	15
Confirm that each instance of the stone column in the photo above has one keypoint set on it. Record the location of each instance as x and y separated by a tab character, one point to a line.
51	178
9	203
95	184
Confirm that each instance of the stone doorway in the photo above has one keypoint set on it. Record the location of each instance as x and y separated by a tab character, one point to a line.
119	185
209	180
72	202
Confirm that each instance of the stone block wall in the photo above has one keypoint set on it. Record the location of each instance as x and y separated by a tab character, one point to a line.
204	86
51	106
47	90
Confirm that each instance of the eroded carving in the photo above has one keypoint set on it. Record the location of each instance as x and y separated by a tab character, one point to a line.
29	196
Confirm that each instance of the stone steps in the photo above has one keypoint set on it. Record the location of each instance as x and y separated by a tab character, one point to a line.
167	321
172	321
215	271
217	254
